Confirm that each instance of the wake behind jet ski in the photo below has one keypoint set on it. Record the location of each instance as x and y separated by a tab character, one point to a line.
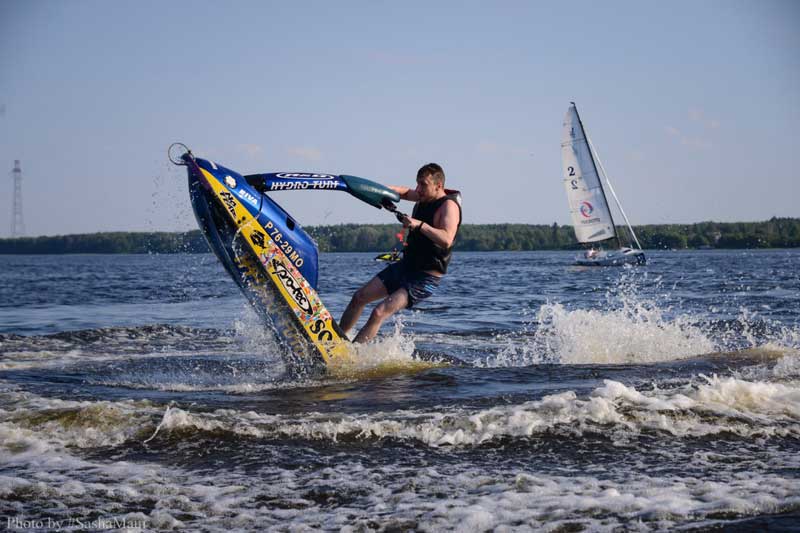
270	257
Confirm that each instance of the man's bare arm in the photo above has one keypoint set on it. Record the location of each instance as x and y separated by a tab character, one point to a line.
405	193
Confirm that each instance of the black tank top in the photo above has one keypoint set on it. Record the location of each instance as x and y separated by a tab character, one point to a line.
420	252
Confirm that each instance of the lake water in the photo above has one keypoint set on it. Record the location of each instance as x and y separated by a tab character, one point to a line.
142	392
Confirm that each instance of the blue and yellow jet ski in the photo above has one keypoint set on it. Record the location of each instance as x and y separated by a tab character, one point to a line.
271	258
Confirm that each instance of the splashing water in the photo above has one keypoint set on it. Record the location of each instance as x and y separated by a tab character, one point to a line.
256	338
632	329
384	356
637	333
758	332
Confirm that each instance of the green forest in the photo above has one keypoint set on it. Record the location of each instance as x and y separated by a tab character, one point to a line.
773	233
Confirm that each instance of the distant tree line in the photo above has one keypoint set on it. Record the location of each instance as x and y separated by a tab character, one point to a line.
773	233
107	243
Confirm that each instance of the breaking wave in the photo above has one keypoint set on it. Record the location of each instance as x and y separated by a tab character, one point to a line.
633	329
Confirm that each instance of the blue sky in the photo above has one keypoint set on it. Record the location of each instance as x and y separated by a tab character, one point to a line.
692	105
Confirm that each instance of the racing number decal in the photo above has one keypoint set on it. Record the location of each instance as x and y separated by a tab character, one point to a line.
318	329
574	183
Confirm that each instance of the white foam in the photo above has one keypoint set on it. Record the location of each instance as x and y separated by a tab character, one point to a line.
26	359
443	498
713	406
767	402
32	425
42	466
39	438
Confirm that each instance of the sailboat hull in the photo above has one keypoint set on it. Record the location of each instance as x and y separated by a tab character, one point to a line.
623	256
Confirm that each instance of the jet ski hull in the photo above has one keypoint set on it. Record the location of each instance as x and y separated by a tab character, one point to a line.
272	260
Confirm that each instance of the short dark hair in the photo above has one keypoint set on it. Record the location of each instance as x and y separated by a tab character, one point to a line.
433	170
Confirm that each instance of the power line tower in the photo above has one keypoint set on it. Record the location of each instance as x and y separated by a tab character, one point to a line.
17	223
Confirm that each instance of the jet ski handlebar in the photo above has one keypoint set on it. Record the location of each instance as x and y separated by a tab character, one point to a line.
389	206
368	191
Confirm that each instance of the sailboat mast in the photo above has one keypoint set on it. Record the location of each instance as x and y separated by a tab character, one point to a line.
611	188
600	182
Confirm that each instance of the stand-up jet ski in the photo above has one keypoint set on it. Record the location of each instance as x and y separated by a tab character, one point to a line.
272	259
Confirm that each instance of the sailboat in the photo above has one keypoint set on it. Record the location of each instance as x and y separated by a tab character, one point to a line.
591	216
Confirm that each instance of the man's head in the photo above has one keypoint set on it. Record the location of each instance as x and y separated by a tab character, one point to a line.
430	182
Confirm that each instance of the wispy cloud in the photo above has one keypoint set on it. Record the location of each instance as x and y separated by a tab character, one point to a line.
252	150
697	143
699	116
303	152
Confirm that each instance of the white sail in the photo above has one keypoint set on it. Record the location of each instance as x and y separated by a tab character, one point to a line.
588	206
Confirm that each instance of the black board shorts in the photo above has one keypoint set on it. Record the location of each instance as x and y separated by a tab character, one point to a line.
418	284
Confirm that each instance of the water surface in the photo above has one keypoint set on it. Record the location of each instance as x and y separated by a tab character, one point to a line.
142	391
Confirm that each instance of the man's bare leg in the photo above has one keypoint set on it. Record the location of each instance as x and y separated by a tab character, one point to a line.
373	290
396	301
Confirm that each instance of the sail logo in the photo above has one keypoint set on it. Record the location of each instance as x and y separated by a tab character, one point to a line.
586	209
